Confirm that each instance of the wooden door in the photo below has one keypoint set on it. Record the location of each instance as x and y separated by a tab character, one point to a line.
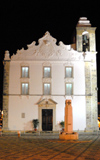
47	119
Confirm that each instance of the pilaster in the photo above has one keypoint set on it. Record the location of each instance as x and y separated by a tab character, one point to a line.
91	94
88	94
6	93
94	106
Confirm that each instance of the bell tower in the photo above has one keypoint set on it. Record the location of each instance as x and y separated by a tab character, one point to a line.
86	45
85	36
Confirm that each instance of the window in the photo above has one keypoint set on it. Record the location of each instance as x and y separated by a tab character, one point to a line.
25	88
68	72
47	88
69	88
85	37
47	72
25	72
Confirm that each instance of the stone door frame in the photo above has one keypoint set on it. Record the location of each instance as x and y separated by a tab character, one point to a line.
47	105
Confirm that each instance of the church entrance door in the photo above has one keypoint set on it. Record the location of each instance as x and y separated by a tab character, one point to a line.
47	119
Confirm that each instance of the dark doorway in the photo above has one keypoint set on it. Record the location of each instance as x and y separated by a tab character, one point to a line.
47	119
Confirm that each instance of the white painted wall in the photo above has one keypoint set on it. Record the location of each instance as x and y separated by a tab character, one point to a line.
58	86
19	105
79	113
36	75
28	105
14	78
79	78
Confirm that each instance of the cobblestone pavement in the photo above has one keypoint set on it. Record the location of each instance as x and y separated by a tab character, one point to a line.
87	147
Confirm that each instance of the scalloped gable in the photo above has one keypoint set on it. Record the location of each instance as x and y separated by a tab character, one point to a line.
46	49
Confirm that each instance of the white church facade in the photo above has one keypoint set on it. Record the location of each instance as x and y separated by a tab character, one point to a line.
37	81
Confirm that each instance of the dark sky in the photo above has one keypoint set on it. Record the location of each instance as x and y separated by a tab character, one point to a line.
23	22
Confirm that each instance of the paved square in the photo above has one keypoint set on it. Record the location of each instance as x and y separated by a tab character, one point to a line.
49	148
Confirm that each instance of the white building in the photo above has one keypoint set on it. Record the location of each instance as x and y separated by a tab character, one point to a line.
37	81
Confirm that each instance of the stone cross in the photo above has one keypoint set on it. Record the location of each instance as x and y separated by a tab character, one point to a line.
68	133
68	117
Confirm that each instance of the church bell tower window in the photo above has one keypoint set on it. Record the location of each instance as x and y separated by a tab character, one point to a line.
85	41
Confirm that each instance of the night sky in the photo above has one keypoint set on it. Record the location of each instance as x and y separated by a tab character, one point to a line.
23	22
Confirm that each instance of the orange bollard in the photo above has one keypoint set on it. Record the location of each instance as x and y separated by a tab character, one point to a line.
18	134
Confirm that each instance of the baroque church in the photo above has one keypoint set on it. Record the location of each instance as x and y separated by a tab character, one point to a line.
39	80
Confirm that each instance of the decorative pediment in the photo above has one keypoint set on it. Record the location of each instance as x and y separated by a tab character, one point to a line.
47	49
47	102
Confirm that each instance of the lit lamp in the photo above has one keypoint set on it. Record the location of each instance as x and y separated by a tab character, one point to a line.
98	123
2	114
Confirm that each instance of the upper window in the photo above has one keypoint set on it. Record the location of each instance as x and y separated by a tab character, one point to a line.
47	72
47	88
69	88
25	72
68	72
25	88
